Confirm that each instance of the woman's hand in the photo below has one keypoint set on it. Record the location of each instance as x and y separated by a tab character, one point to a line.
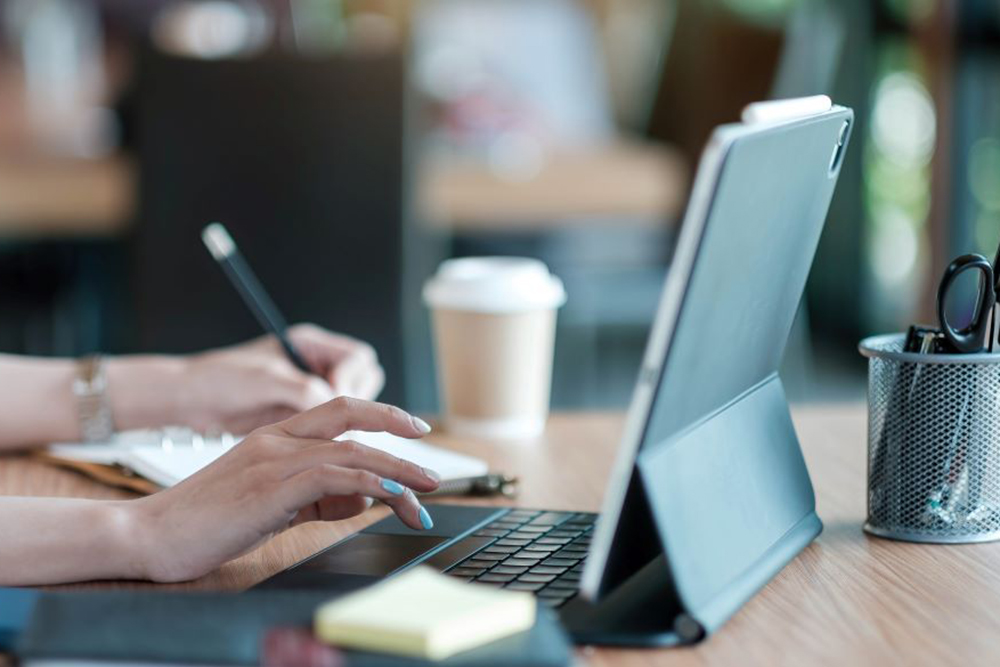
279	476
242	387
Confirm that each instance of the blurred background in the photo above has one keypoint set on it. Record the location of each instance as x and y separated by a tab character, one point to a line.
351	145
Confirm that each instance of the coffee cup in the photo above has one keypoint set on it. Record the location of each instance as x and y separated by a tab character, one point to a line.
494	322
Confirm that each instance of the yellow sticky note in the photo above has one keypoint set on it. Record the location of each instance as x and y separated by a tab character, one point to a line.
424	614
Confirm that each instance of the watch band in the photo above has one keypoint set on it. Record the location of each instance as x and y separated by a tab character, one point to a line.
90	388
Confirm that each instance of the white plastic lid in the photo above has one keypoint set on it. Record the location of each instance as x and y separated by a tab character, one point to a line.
494	285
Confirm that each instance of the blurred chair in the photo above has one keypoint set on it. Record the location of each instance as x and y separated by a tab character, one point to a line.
701	88
810	59
715	64
302	159
812	50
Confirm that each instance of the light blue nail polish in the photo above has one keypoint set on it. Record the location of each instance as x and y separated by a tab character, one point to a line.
392	487
425	519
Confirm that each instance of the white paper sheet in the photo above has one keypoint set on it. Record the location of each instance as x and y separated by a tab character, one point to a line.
143	453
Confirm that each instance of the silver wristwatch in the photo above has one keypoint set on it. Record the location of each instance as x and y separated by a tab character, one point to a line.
90	388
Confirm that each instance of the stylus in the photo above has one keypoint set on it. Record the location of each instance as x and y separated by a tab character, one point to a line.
224	251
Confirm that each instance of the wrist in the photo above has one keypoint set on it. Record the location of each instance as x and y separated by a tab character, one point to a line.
146	391
149	541
126	545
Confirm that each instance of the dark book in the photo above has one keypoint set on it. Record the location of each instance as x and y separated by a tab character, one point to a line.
230	629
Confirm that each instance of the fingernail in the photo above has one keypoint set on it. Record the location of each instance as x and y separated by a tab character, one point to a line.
393	487
425	519
431	475
421	425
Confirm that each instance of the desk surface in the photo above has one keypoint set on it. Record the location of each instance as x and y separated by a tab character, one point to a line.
847	600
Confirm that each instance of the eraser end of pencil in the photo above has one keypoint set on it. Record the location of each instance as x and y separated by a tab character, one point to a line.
217	240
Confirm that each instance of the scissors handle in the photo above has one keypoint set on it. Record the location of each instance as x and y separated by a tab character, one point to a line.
975	336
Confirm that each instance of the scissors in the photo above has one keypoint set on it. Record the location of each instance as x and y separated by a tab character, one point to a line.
980	334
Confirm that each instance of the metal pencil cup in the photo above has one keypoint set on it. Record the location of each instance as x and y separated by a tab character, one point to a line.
933	444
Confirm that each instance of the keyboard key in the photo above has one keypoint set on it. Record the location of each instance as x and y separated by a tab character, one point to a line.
495	549
493	578
521	535
560	562
536	578
521	515
489	556
533	529
521	561
524	586
559	584
511	543
490	532
571	576
550	518
545	548
506	569
504	525
552	603
573	553
568	534
466	571
545	569
552	540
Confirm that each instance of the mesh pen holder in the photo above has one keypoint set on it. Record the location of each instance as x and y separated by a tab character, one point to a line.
933	444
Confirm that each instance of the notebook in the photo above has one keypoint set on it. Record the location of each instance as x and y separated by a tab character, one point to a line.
424	614
119	628
16	605
166	457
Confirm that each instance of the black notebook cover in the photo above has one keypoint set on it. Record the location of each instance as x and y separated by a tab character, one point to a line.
16	605
227	629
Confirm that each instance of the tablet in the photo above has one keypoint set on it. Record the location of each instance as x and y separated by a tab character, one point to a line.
709	480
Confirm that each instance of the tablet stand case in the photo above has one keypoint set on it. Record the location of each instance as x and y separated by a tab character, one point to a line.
720	498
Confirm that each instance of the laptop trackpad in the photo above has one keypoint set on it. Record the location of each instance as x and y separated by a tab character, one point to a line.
371	554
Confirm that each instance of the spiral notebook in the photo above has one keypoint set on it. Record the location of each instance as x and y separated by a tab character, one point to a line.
166	457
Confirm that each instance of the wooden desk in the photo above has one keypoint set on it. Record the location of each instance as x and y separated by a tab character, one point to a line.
848	600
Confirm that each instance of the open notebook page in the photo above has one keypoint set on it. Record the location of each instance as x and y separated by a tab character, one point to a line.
166	467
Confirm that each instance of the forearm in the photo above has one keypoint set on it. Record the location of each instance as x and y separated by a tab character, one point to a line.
36	401
145	391
37	404
61	540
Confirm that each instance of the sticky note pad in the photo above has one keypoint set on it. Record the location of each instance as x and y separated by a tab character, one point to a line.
424	614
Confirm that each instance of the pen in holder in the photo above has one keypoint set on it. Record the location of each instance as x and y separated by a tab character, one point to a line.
933	443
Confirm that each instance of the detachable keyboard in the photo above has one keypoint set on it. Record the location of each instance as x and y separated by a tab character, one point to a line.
540	552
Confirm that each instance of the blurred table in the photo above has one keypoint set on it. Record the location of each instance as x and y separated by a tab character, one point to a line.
46	193
624	183
848	599
45	196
